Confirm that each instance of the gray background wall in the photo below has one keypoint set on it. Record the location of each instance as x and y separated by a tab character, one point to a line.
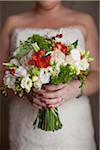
14	7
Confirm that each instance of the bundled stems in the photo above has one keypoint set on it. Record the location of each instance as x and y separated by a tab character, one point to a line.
48	119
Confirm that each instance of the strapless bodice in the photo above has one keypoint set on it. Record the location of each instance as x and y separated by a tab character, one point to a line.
69	35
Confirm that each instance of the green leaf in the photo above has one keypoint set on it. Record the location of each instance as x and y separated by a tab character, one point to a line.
75	44
23	49
9	65
35	47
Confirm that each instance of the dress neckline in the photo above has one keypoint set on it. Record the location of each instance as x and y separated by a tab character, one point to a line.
49	29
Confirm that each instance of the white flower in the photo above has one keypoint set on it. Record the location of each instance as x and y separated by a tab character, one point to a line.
38	84
14	61
71	61
9	80
44	76
58	57
84	64
20	71
49	70
75	54
26	84
73	58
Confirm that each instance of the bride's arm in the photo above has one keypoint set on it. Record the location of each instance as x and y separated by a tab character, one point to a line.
92	44
5	43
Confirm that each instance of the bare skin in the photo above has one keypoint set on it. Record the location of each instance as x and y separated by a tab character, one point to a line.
55	16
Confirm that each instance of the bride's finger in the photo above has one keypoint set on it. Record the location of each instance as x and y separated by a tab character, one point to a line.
48	100
56	105
52	101
39	92
53	87
38	102
55	94
37	106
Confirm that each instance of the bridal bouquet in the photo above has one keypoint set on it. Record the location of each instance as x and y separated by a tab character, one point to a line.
45	60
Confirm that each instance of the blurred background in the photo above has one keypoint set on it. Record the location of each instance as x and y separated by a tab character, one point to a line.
8	8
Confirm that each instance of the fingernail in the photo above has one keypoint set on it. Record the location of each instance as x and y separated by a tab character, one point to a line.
40	94
42	100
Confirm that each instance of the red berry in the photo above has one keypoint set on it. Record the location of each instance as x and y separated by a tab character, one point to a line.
82	57
59	35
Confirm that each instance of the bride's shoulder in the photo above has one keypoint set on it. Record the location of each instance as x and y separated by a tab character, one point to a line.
15	21
80	18
86	20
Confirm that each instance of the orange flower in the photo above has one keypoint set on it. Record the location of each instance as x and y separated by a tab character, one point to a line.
39	61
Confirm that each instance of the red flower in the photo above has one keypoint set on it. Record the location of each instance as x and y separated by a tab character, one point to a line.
47	59
54	48
12	71
39	61
61	47
64	49
40	53
30	62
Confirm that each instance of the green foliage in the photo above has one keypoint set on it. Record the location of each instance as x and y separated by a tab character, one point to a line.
17	87
23	49
35	47
9	65
3	89
34	71
42	42
82	77
67	74
73	45
87	55
35	42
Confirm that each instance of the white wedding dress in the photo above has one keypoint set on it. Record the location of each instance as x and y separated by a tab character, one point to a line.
77	132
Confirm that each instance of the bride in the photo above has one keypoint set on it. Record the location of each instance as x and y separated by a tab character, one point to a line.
74	108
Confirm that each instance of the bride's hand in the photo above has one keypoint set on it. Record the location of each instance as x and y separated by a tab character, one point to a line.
55	95
35	100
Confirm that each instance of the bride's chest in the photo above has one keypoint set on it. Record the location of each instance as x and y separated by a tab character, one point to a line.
52	23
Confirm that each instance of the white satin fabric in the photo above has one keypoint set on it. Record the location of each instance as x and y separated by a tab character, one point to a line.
77	132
